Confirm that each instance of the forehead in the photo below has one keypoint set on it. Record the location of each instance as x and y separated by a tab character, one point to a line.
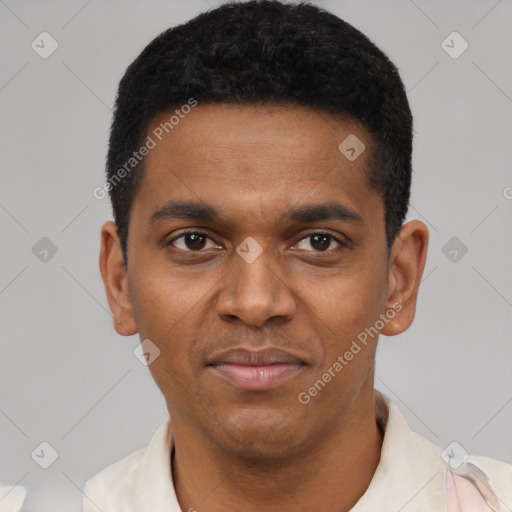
257	158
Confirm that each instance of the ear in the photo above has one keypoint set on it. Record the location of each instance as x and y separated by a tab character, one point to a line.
406	265
115	280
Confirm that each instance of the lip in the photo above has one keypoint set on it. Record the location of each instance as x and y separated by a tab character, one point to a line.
256	370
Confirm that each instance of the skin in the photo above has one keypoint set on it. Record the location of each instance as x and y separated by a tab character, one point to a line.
263	450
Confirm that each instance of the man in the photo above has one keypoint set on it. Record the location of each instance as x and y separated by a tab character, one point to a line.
259	169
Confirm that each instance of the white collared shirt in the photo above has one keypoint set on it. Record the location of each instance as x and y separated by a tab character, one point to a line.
12	497
411	476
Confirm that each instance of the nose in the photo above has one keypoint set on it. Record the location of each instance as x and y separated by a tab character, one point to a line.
255	292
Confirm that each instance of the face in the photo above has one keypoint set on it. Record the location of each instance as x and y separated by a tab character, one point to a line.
256	258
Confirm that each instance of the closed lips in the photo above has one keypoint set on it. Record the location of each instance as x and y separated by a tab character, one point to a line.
245	357
251	370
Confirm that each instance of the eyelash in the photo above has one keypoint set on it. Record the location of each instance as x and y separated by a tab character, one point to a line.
341	243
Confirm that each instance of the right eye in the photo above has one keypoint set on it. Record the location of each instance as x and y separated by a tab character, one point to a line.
191	241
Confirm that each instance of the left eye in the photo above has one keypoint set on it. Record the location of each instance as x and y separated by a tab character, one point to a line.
320	241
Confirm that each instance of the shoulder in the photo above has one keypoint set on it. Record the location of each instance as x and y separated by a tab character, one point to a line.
142	477
500	477
112	488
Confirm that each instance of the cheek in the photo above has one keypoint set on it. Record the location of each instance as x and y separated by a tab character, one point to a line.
350	334
163	306
354	303
166	314
168	311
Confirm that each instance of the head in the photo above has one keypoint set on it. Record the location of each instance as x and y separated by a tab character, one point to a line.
259	168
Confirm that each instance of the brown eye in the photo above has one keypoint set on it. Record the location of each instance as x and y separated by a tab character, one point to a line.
320	242
191	241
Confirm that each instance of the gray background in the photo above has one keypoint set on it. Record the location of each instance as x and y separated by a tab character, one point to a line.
67	378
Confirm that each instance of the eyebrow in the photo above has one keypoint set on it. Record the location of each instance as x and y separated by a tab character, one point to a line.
192	210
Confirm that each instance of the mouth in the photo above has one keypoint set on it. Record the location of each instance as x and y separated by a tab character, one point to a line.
256	370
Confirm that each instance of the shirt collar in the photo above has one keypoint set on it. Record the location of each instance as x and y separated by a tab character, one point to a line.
155	489
410	474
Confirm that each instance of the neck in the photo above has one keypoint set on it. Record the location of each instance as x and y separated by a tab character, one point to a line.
331	475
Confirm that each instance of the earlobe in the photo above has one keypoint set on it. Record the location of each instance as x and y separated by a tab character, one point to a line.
407	262
115	280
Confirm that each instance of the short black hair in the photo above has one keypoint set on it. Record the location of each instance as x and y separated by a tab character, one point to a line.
266	51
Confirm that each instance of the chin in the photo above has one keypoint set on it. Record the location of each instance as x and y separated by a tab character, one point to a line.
259	438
